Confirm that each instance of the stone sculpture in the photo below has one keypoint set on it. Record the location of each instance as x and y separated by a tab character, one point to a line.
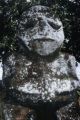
39	76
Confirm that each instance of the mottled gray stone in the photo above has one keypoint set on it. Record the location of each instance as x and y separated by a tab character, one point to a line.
41	78
39	73
42	32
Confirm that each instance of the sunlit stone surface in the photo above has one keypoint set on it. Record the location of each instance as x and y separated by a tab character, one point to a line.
78	70
43	33
39	73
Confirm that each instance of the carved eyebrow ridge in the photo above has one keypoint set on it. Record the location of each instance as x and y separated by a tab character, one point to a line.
54	25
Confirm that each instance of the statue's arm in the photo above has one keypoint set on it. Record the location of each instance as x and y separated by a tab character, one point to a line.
73	70
8	69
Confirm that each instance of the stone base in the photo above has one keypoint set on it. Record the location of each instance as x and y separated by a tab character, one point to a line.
70	112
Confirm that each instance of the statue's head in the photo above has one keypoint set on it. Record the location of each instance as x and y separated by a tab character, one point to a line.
42	32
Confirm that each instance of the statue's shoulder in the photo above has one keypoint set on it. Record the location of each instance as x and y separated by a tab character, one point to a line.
71	63
14	62
71	60
65	65
67	58
14	58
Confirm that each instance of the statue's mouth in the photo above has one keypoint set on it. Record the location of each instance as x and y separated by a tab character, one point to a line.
44	40
43	46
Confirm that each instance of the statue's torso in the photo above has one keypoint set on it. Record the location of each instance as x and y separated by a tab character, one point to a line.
41	76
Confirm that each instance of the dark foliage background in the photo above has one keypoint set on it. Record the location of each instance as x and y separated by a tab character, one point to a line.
66	10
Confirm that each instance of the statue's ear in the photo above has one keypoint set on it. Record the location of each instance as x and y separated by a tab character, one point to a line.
21	45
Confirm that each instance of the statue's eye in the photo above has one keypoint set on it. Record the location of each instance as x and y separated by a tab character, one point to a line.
54	25
30	24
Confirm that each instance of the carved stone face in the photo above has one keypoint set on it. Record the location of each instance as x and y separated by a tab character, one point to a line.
41	31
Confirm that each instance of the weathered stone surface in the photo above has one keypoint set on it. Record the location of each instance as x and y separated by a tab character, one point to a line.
42	32
70	112
13	112
39	76
40	80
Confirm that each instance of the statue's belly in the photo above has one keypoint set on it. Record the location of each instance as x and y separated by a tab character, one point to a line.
45	80
49	88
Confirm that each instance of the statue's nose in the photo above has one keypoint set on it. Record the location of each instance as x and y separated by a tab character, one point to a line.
41	22
44	27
